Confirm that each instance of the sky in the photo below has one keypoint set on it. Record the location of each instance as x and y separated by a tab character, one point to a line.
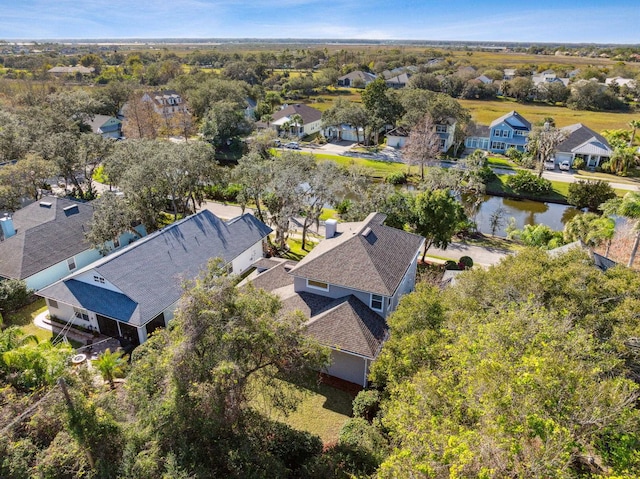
538	21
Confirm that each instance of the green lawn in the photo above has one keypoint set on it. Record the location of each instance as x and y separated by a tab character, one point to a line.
23	318
499	187
497	162
322	410
379	169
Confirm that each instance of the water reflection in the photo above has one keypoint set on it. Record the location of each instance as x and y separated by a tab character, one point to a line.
525	212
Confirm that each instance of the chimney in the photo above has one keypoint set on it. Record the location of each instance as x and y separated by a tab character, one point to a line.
6	226
330	227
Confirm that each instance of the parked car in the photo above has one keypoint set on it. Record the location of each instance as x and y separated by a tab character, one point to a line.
550	165
565	165
277	142
293	145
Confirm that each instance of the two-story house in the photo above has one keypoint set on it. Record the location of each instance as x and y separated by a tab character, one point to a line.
166	102
346	287
133	291
45	241
509	131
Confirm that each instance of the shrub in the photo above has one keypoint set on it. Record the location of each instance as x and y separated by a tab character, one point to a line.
343	206
451	265
223	193
465	263
605	167
589	194
366	404
13	295
527	182
578	164
396	178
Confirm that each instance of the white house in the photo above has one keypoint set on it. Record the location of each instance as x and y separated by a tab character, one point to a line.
136	290
346	287
284	120
45	241
583	142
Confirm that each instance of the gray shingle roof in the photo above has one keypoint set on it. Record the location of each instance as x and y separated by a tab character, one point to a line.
578	135
308	114
47	232
150	271
344	323
366	256
514	120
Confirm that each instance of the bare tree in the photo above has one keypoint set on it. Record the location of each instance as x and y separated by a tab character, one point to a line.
423	145
141	120
542	143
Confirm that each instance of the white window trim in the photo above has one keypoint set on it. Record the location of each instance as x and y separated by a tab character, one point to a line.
381	302
317	287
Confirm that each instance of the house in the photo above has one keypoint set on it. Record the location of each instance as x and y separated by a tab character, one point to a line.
65	71
107	126
347	286
397	137
250	109
484	80
166	102
283	120
620	81
356	79
601	262
343	132
45	241
509	73
509	131
398	81
583	142
132	292
478	139
445	129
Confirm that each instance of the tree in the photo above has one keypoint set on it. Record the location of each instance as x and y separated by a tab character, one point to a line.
542	143
382	105
110	364
526	182
437	216
223	122
590	228
141	119
112	216
508	372
496	220
538	236
14	294
520	88
622	159
589	194
423	144
629	207
634	125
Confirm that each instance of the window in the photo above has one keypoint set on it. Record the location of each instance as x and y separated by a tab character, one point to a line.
376	302
98	279
71	263
81	314
505	133
443	143
497	145
317	285
116	243
497	132
53	303
441	128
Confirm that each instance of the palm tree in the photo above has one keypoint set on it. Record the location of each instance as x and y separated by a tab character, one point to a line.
634	124
268	118
298	122
590	228
110	365
629	207
622	159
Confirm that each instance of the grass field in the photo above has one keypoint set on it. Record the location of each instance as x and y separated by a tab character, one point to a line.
484	112
23	318
322	410
379	169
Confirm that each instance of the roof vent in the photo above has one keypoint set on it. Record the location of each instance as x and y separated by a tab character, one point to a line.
366	232
46	204
68	209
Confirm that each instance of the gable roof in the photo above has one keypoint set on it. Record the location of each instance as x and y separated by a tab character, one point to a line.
345	323
365	256
582	139
308	114
104	124
149	272
358	75
514	120
47	232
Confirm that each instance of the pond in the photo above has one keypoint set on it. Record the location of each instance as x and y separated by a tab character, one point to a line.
525	212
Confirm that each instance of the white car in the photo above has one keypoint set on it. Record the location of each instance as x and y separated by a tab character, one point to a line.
293	145
565	165
550	165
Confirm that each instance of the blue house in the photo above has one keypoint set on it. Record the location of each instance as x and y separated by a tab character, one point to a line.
508	131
